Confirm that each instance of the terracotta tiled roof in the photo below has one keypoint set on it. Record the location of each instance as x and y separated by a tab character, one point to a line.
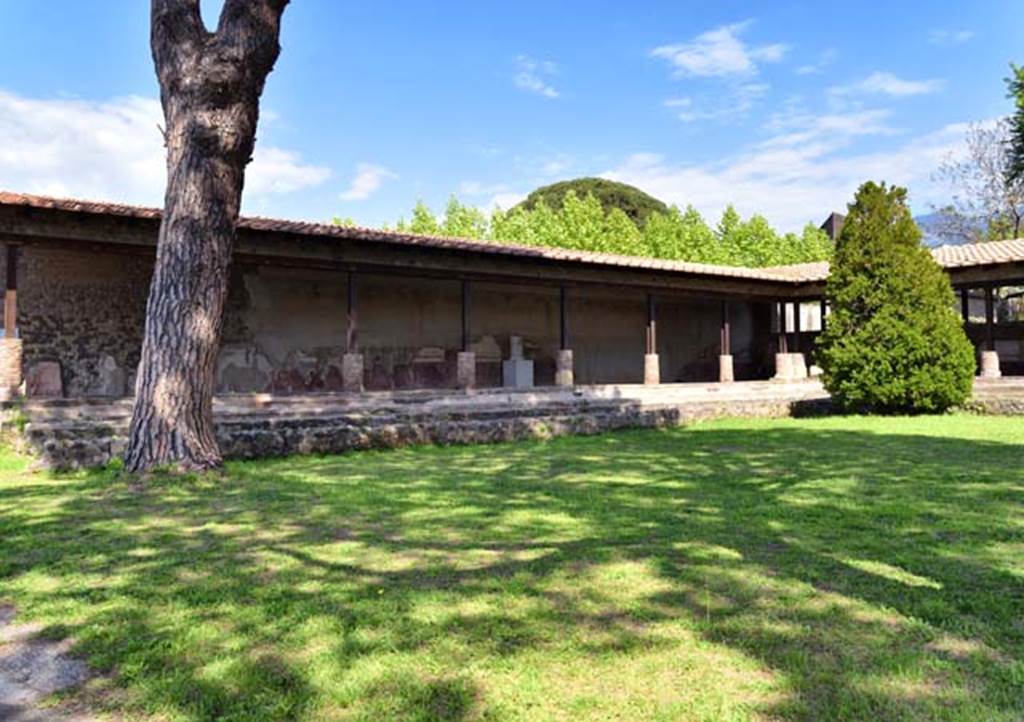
329	230
800	272
969	254
947	256
980	254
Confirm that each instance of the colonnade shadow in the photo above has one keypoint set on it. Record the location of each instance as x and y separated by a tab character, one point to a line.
868	574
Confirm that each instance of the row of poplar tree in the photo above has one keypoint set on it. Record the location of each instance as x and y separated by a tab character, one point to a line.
583	224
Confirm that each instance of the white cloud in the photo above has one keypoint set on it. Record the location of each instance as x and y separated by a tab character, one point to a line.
824	60
796	127
531	75
506	200
803	172
274	170
556	165
367	181
949	38
476	188
113	150
882	83
719	53
737	102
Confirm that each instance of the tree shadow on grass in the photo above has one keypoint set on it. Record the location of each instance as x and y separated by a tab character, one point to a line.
869	573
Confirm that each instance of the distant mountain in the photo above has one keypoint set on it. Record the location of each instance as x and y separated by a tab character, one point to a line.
931	225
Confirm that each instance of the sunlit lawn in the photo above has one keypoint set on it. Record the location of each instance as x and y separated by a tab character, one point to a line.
854	569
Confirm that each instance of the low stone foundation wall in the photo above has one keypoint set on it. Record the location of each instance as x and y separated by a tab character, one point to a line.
66	434
91	435
1008	406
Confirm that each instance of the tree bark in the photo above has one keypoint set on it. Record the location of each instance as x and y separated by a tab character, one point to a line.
210	86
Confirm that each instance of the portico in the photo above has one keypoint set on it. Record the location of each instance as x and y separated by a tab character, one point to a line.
319	308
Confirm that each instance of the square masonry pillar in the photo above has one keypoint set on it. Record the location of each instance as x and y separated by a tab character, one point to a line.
990	365
790	367
465	370
10	368
652	369
564	375
352	372
725	369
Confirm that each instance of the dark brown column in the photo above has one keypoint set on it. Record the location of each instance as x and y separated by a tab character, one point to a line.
563	359
990	319
652	365
11	296
965	305
351	335
465	315
780	312
465	365
796	326
823	312
563	320
652	337
10	345
725	339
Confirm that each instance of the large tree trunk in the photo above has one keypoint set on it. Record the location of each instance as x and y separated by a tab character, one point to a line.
210	86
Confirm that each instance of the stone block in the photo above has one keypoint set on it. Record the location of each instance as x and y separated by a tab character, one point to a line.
42	381
10	367
783	367
517	373
487	350
465	370
725	369
799	366
652	369
790	367
990	365
564	374
243	368
112	378
352	372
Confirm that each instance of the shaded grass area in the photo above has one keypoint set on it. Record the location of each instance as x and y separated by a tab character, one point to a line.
840	568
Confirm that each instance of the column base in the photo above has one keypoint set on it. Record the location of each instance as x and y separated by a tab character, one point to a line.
990	365
725	369
652	369
790	367
564	368
465	370
10	368
352	372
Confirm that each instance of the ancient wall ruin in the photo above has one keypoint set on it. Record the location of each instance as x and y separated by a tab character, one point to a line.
85	312
285	329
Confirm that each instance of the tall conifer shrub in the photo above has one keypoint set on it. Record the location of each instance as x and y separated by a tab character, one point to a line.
894	341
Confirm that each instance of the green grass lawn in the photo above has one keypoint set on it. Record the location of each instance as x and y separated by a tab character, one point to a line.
839	568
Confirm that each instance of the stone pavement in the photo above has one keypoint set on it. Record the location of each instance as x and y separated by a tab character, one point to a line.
31	669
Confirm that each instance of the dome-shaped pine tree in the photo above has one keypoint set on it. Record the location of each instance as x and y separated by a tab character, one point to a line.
894	341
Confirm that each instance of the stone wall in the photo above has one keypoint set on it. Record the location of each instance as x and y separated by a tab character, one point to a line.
92	436
285	332
285	329
85	311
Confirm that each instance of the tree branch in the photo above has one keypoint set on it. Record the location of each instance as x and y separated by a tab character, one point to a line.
176	29
249	30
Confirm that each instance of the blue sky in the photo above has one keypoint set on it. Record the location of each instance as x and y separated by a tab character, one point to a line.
782	108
